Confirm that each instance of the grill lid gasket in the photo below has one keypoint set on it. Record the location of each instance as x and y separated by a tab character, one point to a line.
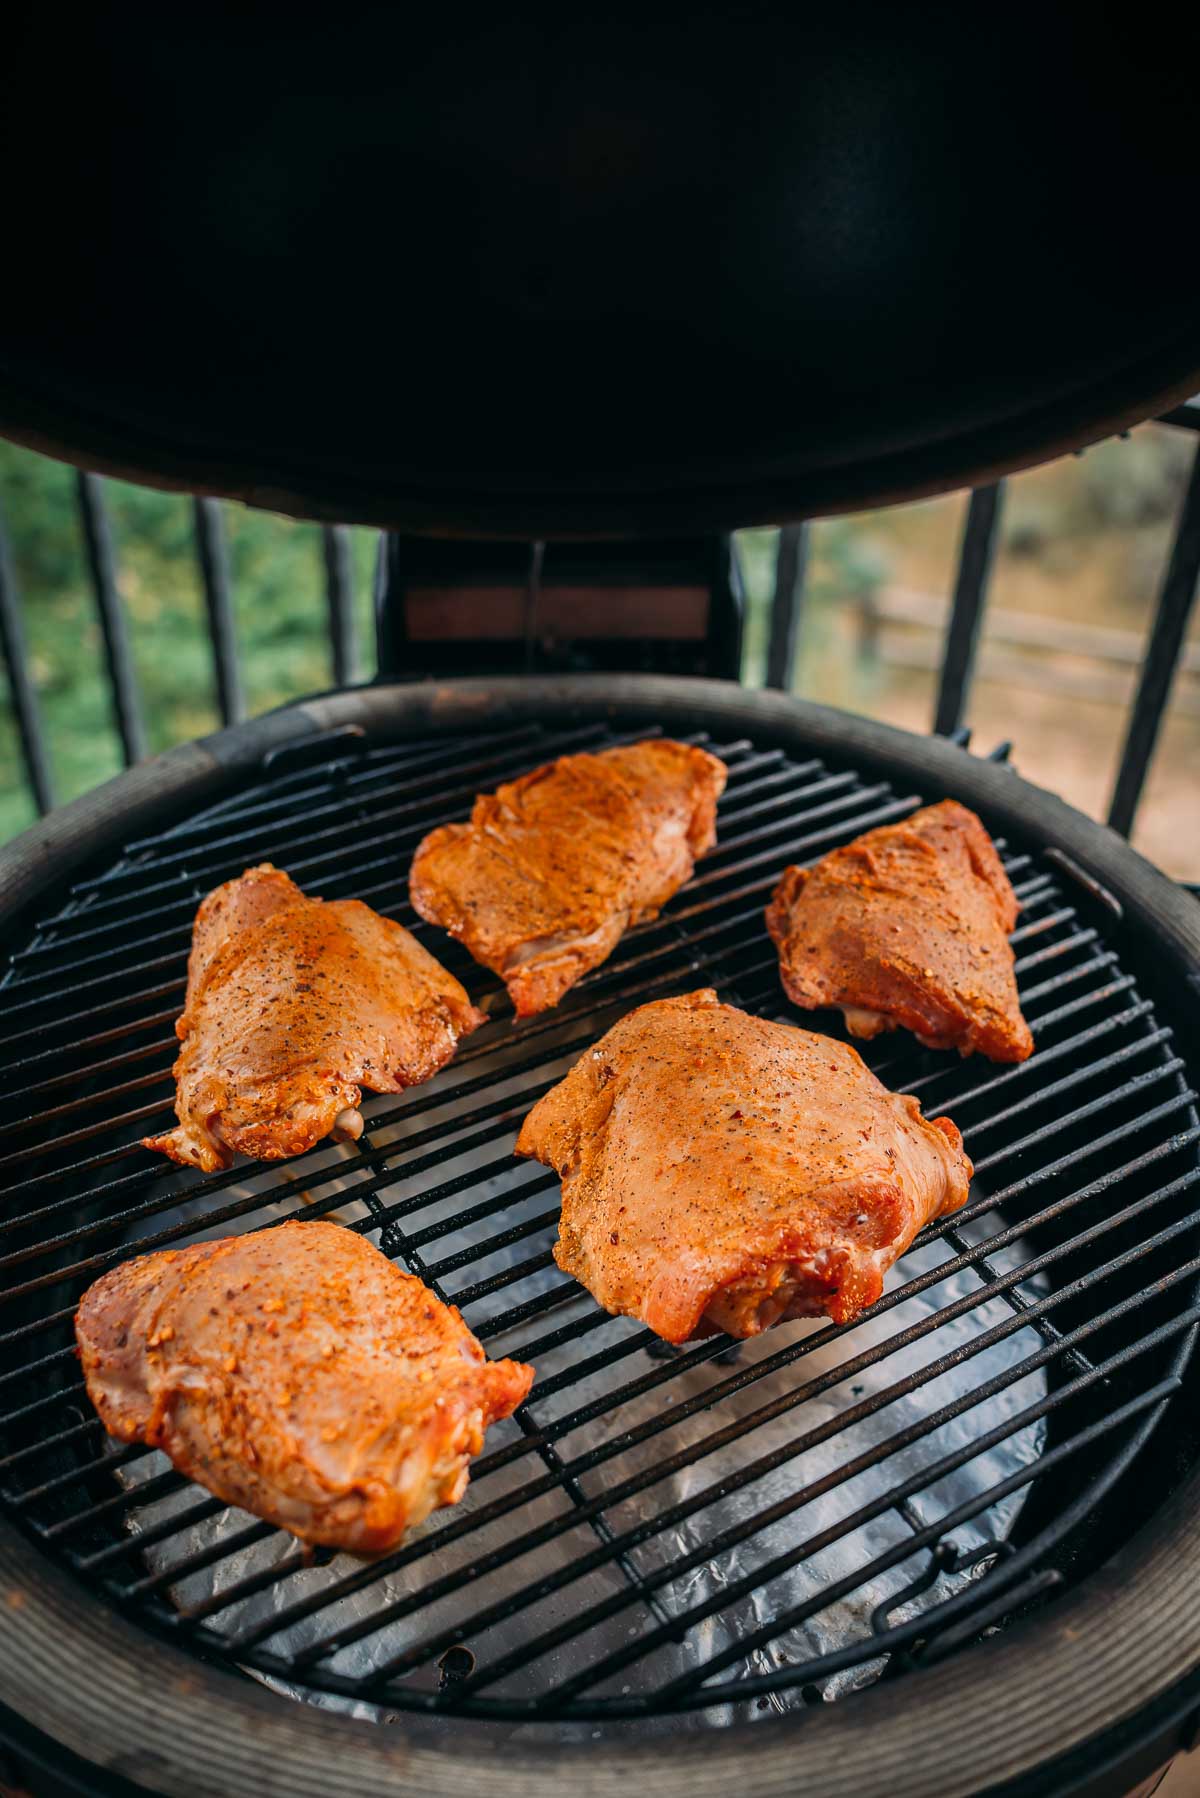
693	699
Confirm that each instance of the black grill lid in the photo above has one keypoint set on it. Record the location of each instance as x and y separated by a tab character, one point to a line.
568	273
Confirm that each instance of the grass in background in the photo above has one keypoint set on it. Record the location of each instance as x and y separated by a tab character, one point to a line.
278	581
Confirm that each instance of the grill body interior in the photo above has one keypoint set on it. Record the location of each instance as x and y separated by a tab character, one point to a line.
661	1539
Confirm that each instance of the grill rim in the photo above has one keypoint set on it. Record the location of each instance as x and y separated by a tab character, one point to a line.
1119	1642
974	456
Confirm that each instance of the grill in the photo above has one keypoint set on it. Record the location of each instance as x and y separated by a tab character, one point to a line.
908	1551
677	1536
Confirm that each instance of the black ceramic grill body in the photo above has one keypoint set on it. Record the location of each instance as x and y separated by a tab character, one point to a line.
1090	1151
585	272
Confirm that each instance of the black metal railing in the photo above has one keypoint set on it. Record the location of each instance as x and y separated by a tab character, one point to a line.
1163	648
1164	644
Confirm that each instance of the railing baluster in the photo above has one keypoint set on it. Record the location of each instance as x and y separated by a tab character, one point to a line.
1162	654
97	536
339	596
975	558
26	709
388	618
787	605
214	570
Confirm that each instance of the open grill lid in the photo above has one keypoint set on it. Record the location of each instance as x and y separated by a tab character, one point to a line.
569	275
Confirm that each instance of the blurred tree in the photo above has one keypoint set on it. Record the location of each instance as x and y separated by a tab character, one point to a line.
278	591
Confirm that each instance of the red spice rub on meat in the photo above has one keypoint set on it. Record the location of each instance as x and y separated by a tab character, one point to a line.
908	926
721	1172
294	1007
552	868
298	1373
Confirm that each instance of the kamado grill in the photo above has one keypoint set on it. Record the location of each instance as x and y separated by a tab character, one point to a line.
948	1549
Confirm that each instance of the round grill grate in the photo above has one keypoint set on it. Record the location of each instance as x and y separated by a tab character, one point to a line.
657	1531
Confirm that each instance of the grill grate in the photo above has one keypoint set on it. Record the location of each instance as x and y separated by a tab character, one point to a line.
632	1540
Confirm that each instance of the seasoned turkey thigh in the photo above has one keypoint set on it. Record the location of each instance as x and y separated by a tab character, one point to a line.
298	1373
721	1172
294	1007
554	867
908	926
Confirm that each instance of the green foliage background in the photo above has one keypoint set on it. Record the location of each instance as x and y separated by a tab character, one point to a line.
1096	530
282	626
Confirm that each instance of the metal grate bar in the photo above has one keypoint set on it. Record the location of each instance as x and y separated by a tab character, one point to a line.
142	1177
1022	1072
980	535
1063	916
97	537
925	1538
213	555
139	1115
1096	1134
396	1241
80	989
202	1558
1094	964
286	793
1079	939
42	1363
1138	1084
456	787
94	1040
981	1207
353	1164
1079	1076
27	711
184	903
75	1076
709	1400
723	1541
938	1273
1162	655
1015	1299
53	1112
152	1533
735	1431
188	903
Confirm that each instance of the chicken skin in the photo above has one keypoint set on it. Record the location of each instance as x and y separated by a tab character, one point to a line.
298	1373
723	1173
293	1007
552	868
908	926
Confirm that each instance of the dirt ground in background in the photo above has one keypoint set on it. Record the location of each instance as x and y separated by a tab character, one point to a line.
1054	564
1073	750
1183	1779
